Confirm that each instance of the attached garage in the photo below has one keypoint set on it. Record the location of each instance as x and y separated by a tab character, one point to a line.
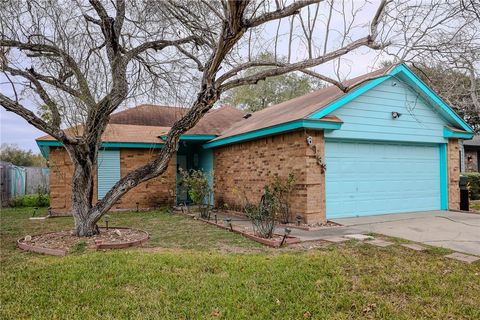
368	178
389	145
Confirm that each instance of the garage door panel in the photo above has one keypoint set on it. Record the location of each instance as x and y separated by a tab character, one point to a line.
374	178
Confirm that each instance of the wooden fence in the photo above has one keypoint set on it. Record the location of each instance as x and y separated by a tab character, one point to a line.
18	181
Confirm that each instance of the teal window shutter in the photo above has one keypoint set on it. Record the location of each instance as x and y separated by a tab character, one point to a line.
108	171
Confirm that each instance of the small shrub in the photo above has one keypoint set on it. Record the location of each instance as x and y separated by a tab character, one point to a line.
31	200
195	183
473	179
281	190
263	216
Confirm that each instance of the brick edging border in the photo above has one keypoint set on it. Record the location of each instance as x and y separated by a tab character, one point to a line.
123	245
268	242
98	246
37	249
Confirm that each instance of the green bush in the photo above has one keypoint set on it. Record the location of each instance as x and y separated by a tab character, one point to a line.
196	184
473	179
31	200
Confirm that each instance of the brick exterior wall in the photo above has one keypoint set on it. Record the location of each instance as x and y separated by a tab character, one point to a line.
453	163
154	193
242	170
471	160
151	194
61	172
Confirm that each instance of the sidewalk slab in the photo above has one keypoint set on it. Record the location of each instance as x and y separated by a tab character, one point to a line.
379	243
414	246
359	237
462	257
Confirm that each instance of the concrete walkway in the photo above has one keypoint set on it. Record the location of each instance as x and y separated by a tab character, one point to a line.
303	235
453	230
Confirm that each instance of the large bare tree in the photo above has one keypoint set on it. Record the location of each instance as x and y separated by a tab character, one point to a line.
82	60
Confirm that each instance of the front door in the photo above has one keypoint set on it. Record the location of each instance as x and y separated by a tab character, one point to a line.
182	196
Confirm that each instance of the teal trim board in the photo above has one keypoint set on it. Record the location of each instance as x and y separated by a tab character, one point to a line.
132	145
45	145
282	128
108	171
443	177
448	133
193	137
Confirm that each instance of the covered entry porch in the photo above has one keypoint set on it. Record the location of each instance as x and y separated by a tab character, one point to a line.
192	156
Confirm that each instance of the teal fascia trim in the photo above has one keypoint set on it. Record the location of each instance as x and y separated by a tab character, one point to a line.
447	133
412	78
193	137
443	177
107	145
45	151
285	127
49	144
197	137
433	96
132	145
45	145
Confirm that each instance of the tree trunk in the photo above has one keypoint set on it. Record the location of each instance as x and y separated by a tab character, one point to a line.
82	196
85	227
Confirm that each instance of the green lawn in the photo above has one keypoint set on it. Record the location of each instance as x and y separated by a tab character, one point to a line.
191	270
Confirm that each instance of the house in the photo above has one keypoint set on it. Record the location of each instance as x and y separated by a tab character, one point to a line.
389	145
471	150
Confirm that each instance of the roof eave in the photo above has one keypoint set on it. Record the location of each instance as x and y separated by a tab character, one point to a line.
457	134
274	130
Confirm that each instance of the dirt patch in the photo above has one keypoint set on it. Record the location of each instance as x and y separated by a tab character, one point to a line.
64	241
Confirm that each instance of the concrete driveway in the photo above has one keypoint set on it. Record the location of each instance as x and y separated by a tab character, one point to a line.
453	230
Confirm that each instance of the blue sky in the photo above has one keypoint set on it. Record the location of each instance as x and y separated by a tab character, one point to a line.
16	130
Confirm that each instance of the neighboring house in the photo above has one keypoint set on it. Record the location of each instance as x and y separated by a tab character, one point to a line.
389	145
471	151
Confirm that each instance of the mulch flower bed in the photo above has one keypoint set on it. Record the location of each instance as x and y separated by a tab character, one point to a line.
63	242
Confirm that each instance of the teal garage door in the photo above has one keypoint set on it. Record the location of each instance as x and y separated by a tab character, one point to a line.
374	178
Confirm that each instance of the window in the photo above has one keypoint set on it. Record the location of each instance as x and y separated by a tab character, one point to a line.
108	171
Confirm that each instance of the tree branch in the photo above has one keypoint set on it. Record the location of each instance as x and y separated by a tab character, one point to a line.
70	62
287	11
30	117
161	44
301	65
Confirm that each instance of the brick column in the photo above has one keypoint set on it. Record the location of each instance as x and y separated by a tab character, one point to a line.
315	181
453	164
